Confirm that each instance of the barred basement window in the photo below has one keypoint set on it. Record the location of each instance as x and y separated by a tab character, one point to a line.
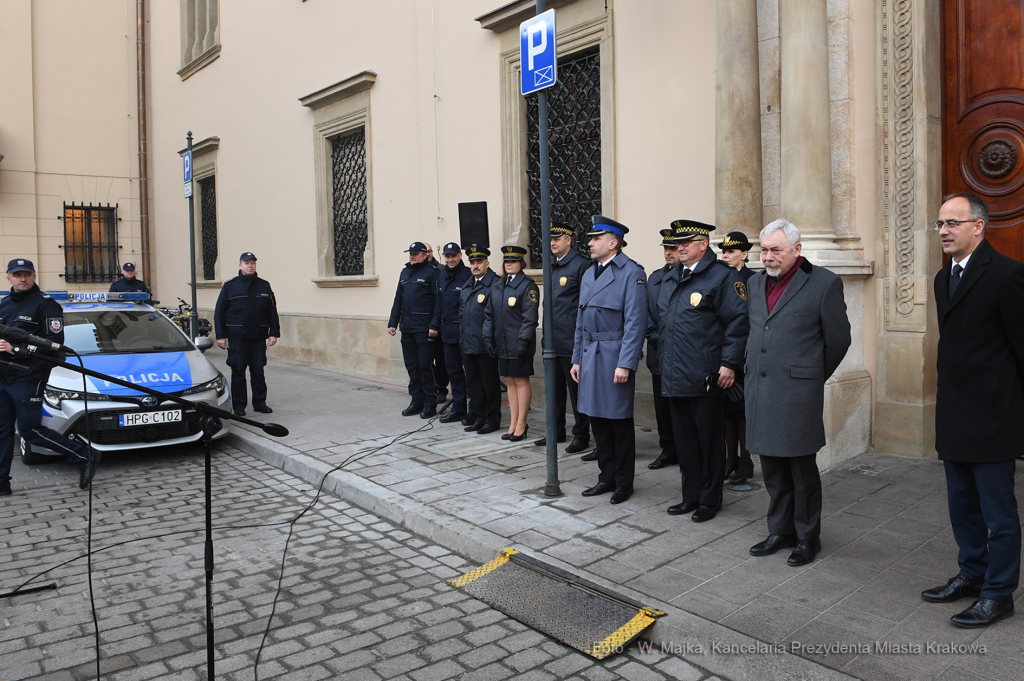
208	226
348	164
90	244
574	149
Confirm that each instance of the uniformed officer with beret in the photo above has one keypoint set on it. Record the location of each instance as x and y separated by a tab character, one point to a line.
481	365
702	337
510	331
739	467
451	280
23	376
666	440
567	269
128	283
610	328
417	311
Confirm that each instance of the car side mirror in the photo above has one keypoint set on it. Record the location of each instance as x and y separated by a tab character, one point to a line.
203	343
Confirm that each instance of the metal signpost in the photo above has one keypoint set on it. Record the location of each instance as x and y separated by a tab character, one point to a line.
187	161
539	66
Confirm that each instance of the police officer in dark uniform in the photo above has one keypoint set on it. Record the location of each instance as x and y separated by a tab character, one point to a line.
702	337
567	269
666	439
246	323
481	365
738	465
23	376
128	283
452	279
417	308
610	328
438	368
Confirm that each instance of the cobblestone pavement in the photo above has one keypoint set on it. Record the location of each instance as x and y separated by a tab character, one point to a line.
362	599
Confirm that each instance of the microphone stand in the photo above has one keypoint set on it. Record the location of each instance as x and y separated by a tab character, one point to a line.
210	424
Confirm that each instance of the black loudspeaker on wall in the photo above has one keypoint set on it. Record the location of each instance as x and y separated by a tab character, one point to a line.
473	224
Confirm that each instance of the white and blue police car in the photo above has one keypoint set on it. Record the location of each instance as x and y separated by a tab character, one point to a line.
122	335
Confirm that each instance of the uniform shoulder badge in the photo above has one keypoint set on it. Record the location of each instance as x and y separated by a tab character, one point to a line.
641	282
533	295
741	289
55	324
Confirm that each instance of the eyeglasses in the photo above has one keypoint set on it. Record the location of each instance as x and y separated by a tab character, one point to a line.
952	224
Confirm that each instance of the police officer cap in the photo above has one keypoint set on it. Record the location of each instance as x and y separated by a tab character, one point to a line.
668	239
130	266
20	265
560	228
417	247
603	225
513	253
451	248
691	229
736	240
246	256
478	252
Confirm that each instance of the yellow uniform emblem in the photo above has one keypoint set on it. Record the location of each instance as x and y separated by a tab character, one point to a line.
533	296
512	301
741	289
480	298
695	299
563	281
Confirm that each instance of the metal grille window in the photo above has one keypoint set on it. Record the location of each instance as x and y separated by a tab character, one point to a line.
90	244
208	226
348	163
574	149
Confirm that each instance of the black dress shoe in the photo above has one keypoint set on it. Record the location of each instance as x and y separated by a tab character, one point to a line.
984	612
661	462
704	513
599	488
772	544
520	438
5	492
469	421
263	409
956	588
738	480
589	456
473	427
543	442
683	508
578	444
238	412
485	429
87	472
428	412
804	552
452	418
621	494
412	410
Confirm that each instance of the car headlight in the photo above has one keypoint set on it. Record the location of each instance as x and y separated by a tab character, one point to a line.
216	384
54	397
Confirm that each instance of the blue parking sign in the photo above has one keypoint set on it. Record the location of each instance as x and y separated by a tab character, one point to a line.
537	52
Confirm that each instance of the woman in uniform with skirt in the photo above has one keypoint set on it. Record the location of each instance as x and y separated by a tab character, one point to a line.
510	333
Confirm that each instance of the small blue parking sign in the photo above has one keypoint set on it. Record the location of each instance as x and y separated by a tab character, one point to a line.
537	52
187	162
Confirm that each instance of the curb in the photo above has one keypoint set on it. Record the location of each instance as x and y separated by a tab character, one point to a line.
708	644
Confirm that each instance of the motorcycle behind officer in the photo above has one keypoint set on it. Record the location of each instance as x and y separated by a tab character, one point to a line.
481	366
451	281
23	376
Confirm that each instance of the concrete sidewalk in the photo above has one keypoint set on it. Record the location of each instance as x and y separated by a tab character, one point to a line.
856	611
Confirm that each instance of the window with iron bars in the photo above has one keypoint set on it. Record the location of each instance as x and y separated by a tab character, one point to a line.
90	244
208	226
574	149
348	168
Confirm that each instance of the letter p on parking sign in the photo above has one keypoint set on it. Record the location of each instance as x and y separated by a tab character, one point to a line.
537	52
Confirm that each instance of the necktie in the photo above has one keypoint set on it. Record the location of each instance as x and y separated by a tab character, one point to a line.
686	272
600	271
954	279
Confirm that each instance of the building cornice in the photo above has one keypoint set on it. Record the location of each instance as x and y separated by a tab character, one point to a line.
201	147
340	90
514	13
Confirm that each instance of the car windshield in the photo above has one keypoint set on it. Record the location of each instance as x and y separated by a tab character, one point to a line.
96	331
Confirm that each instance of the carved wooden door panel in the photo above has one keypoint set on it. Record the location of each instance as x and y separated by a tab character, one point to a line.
983	112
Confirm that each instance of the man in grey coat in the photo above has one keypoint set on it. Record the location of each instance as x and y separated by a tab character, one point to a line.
799	333
610	330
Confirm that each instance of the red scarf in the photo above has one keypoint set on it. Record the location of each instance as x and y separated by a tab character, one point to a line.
775	289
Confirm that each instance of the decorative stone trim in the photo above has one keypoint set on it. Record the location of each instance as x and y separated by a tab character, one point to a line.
340	90
347	282
202	283
199	62
201	147
514	13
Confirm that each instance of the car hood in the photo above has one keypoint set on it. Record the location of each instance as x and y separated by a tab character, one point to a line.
164	371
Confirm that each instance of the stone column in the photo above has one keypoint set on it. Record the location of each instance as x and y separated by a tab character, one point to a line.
738	196
806	136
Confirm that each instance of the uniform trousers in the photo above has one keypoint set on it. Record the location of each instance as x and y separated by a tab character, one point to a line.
737	456
794	486
22	402
700	446
986	526
663	416
418	351
247	353
616	450
439	368
484	388
563	380
453	366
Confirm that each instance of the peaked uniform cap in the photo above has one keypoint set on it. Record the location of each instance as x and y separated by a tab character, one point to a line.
691	229
603	225
477	252
736	240
513	253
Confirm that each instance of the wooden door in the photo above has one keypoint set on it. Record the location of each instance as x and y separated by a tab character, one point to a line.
983	112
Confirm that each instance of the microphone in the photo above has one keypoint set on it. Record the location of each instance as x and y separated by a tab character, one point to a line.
18	336
275	429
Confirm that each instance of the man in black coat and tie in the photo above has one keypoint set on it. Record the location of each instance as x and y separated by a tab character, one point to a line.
979	296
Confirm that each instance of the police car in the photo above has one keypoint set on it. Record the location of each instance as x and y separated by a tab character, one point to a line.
122	335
